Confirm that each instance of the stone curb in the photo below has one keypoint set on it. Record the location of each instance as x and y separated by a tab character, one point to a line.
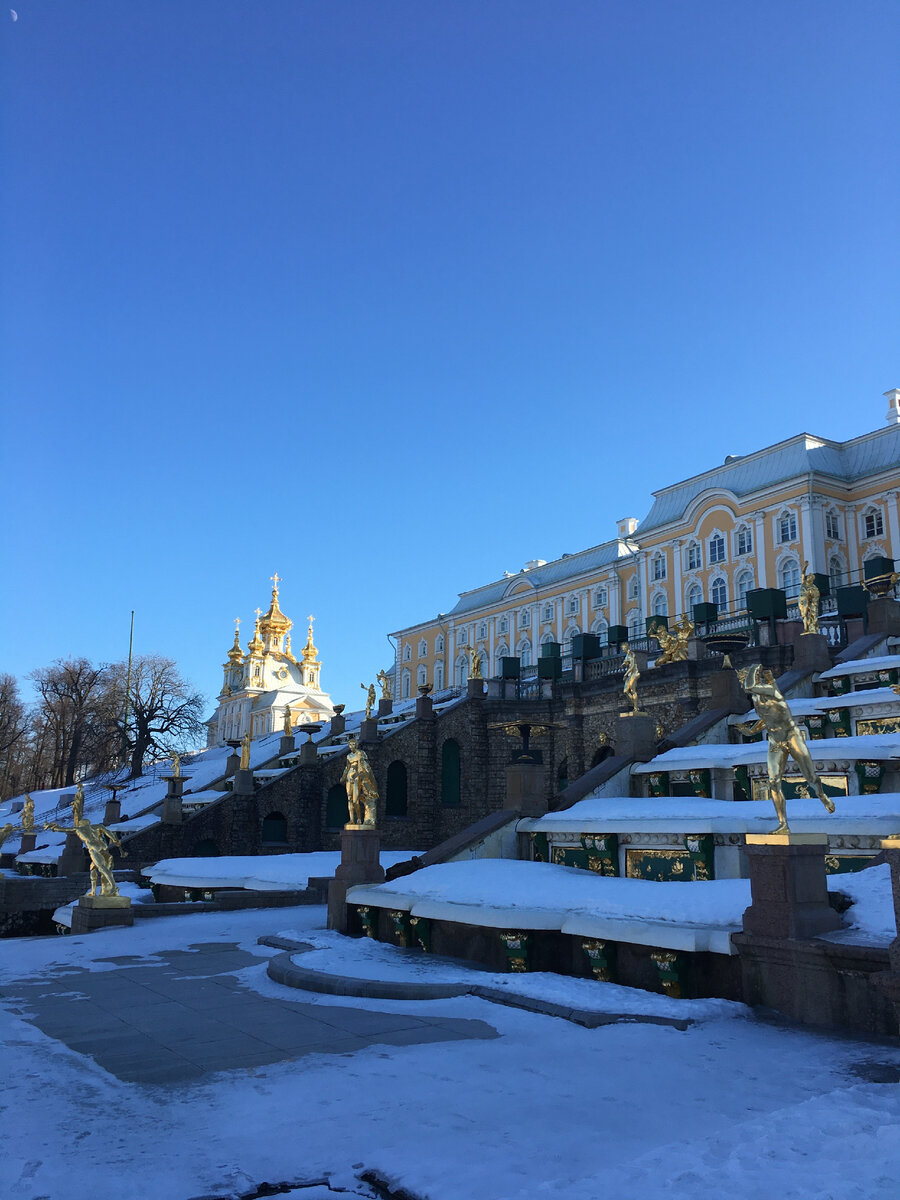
282	970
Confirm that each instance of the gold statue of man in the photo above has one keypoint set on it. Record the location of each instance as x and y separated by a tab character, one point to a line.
385	680
808	602
96	839
785	738
369	689
674	644
28	815
288	722
245	751
5	832
632	675
362	791
176	765
474	664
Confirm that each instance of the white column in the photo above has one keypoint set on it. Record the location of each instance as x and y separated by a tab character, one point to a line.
613	585
491	626
645	588
812	532
676	576
893	523
854	566
760	545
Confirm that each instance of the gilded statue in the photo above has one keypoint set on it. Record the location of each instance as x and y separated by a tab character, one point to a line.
369	689
176	765
385	680
808	602
96	839
785	739
673	643
632	675
5	832
245	751
474	663
28	815
288	723
362	791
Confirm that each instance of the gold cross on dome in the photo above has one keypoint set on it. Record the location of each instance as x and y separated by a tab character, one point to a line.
258	612
276	579
237	624
310	618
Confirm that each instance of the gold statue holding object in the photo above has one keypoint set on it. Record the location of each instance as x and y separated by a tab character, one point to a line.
369	689
96	839
808	602
785	739
475	662
362	791
385	681
245	751
6	831
288	722
632	675
176	765
28	814
674	643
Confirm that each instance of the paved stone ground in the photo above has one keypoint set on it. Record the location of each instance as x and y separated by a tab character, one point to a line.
183	1016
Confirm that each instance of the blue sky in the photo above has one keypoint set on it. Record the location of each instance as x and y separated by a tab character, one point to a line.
391	296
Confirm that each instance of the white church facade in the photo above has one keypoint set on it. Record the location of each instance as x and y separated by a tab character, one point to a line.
260	683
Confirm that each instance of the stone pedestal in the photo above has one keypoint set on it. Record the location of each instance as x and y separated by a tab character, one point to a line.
475	688
883	616
73	858
368	730
172	813
385	707
789	896
113	811
726	692
101	912
287	745
495	689
525	788
811	652
636	736
360	863
308	752
28	843
889	981
424	707
243	783
338	724
232	764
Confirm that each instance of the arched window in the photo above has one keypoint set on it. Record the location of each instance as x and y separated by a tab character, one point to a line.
601	597
549	612
693	556
873	522
832	525
405	683
482	629
438	677
660	605
718	593
546	639
421	676
835	572
743	540
337	811
462	670
524	618
716	548
694	596
503	625
786	527
634	588
635	624
601	629
274	829
573	604
395	792
407	653
789	576
462	636
658	566
524	653
423	648
450	774
439	644
745	584
503	650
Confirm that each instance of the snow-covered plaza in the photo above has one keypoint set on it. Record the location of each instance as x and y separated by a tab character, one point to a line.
162	1062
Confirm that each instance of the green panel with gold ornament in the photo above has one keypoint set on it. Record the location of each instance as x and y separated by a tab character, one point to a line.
602	851
841	685
400	926
885	678
701	849
701	782
540	847
866	726
601	956
796	788
840	721
742	790
659	865
569	856
366	919
517	944
420	928
816	725
671	967
846	864
869	775
658	783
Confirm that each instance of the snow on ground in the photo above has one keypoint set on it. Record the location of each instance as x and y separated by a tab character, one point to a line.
546	1109
260	872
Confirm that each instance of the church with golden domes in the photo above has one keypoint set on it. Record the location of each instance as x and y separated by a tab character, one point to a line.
262	681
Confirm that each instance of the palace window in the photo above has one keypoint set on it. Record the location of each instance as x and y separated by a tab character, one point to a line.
635	624
405	685
695	596
503	627
438	676
873	523
634	588
789	577
717	548
421	676
787	527
601	598
549	612
423	648
745	584
660	606
524	618
407	653
525	654
835	572
718	593
659	567
461	637
482	629
601	629
439	644
743	542
573	605
503	651
693	556
832	526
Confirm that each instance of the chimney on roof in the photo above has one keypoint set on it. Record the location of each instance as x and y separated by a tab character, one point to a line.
893	412
626	526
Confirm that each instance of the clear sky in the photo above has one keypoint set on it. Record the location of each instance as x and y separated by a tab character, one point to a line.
393	296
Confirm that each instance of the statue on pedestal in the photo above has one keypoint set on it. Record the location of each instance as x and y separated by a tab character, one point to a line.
785	739
28	815
288	722
176	765
674	643
362	791
96	840
245	752
474	664
385	680
632	675
369	689
808	602
6	831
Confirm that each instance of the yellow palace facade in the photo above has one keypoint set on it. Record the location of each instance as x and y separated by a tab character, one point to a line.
750	523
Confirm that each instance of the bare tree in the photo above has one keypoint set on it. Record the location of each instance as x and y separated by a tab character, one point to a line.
14	725
166	714
73	708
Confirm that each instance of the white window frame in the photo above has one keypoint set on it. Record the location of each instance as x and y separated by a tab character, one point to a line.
718	539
